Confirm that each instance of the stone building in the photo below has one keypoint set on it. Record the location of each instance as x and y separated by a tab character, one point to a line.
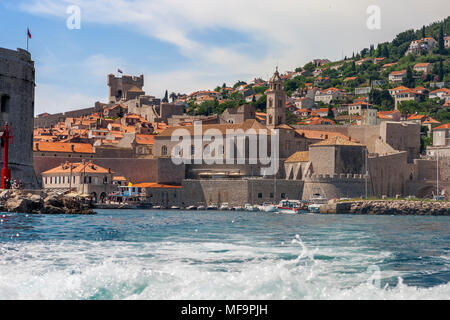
81	178
17	84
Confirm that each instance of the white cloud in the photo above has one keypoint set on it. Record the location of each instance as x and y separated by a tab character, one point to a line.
53	98
292	32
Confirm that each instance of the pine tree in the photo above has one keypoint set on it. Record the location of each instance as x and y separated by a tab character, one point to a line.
423	32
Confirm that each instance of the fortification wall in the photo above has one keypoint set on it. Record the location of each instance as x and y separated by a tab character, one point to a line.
17	108
337	186
389	174
52	119
239	192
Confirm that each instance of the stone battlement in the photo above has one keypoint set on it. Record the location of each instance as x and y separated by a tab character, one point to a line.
336	178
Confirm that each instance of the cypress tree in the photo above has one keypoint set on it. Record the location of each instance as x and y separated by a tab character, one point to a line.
441	40
166	97
423	32
441	71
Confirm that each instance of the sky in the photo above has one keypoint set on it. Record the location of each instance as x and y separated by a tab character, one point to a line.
188	45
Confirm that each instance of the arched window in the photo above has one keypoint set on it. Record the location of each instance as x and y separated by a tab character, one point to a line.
270	102
164	150
270	119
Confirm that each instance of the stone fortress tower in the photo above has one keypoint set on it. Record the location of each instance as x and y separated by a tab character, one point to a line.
276	102
17	108
124	88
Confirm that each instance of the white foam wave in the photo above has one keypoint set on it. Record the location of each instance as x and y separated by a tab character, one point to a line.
203	270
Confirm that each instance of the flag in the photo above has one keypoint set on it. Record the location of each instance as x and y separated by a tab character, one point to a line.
120	71
28	33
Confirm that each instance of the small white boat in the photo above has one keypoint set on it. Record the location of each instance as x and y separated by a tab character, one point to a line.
249	207
191	208
212	206
238	208
201	207
314	208
225	206
175	208
156	207
268	207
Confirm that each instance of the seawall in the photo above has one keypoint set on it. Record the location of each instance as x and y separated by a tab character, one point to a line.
389	207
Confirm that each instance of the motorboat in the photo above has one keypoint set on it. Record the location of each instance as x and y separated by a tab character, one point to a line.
268	207
316	200
314	208
192	208
212	206
238	208
290	206
201	207
249	207
225	206
175	208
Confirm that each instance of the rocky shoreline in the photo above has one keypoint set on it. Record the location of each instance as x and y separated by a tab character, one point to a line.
389	207
40	202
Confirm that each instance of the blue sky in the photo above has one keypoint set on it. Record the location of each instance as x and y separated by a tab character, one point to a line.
187	45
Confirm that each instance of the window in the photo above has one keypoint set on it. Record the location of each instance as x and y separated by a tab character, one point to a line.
271	195
192	150
283	196
260	195
164	150
4	102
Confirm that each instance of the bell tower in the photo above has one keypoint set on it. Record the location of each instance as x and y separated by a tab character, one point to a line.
276	102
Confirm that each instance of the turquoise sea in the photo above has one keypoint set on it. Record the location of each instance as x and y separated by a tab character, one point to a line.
145	254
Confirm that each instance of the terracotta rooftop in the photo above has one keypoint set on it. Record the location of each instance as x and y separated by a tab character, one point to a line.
300	156
145	139
336	141
78	167
443	127
248	124
62	147
155	185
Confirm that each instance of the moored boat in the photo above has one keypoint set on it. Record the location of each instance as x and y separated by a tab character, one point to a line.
290	206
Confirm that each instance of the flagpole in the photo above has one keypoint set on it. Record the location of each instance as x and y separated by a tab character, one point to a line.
27	37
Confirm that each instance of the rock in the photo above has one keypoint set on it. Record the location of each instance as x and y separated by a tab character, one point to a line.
4	195
19	205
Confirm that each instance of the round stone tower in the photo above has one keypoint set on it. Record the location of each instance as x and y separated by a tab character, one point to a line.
17	108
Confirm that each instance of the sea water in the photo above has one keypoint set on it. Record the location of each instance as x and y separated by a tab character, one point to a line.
145	254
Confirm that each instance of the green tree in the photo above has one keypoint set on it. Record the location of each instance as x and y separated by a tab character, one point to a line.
166	97
441	71
309	67
441	40
423	32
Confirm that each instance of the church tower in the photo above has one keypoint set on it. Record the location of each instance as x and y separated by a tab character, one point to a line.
276	102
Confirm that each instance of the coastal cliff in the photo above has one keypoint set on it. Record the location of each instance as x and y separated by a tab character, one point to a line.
389	207
42	203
